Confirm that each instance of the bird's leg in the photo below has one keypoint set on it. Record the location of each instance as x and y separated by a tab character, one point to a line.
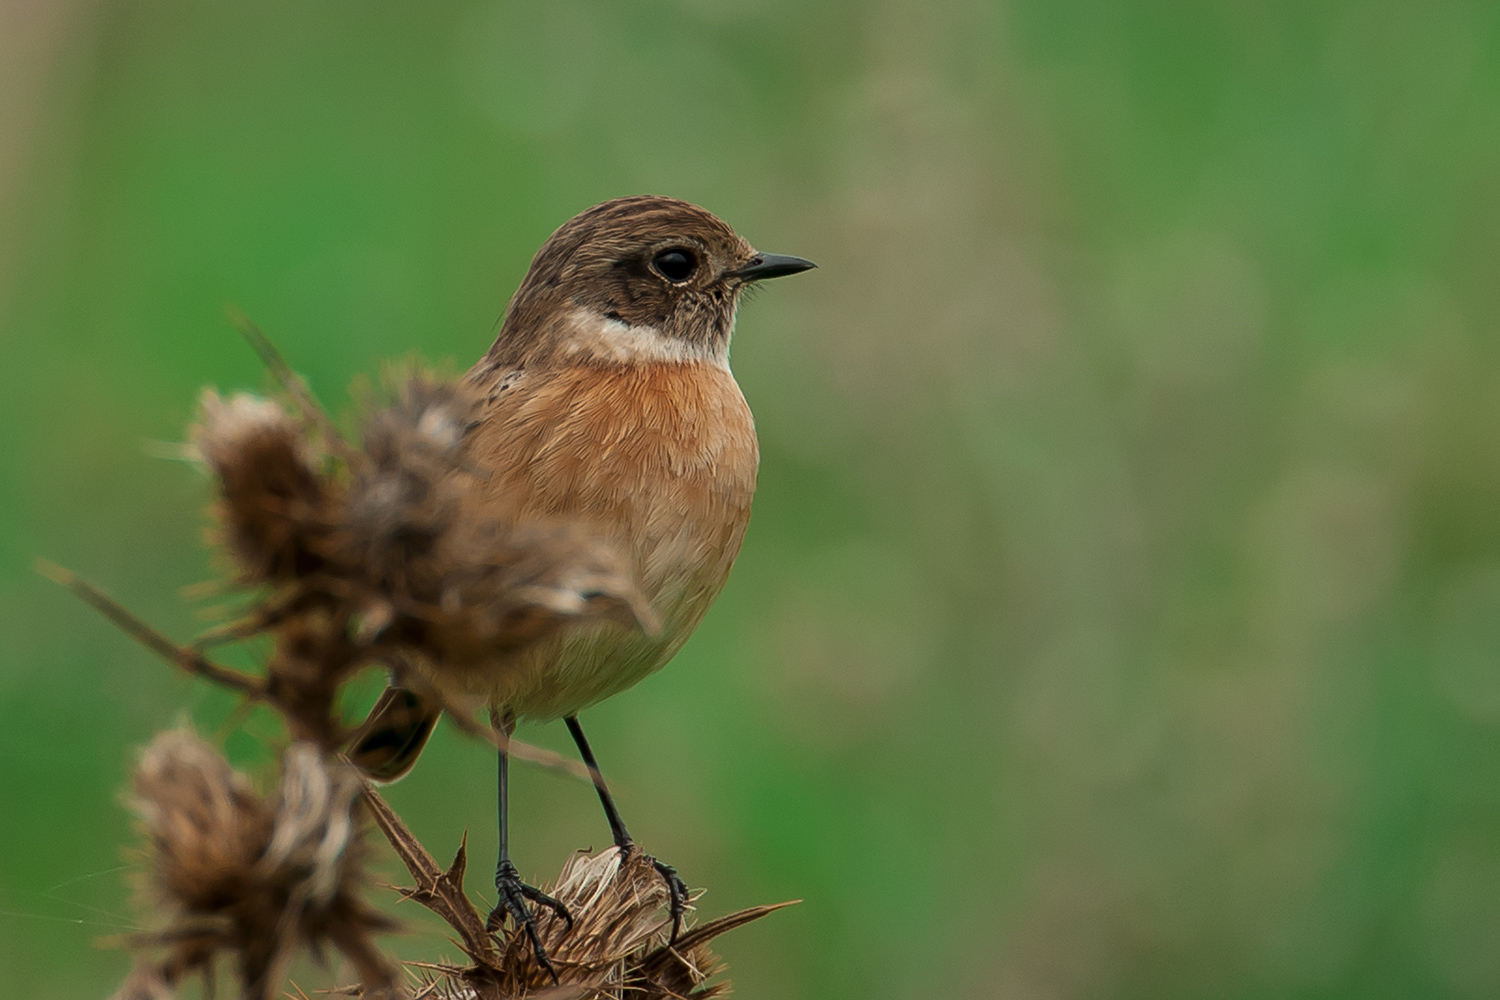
511	893
675	886
616	824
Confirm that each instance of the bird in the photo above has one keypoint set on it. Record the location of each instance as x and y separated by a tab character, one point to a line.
607	397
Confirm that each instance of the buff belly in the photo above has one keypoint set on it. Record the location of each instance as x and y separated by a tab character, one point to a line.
660	457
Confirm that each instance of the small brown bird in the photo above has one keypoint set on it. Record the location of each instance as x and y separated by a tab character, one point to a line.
610	401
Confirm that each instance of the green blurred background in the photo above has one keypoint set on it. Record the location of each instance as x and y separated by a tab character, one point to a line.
1120	616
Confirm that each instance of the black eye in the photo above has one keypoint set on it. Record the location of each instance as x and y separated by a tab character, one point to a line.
676	264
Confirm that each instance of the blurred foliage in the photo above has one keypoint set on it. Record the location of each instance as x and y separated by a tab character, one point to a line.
1121	612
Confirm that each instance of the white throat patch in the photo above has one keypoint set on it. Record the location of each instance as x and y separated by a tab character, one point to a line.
597	336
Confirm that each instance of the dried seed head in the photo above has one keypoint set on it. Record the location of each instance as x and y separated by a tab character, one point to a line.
273	502
404	493
207	827
616	947
253	878
310	837
541	577
488	591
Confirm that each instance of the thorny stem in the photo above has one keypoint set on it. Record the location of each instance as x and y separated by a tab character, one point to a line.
440	891
188	659
191	660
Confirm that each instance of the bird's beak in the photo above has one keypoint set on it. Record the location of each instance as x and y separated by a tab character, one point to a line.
771	265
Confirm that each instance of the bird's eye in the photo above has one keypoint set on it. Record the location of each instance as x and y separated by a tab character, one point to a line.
676	264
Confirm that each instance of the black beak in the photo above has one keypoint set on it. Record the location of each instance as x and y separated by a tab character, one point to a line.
771	265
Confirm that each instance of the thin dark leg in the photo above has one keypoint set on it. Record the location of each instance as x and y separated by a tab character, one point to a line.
675	886
616	824
511	892
502	799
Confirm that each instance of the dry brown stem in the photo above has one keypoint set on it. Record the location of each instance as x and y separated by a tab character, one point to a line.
440	891
188	659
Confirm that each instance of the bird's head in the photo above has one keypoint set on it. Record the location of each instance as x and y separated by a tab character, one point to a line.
634	280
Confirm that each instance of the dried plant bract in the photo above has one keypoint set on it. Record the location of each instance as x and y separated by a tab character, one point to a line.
249	877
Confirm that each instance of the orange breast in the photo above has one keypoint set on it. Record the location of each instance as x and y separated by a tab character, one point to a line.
661	456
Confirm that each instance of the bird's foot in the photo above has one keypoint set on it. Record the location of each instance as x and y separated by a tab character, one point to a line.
676	888
512	895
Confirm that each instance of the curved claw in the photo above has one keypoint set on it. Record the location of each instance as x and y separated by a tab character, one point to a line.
679	893
511	902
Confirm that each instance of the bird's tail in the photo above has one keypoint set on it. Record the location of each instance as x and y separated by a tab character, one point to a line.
388	743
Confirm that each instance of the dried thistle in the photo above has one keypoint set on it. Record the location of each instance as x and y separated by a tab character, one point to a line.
617	948
252	878
274	506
